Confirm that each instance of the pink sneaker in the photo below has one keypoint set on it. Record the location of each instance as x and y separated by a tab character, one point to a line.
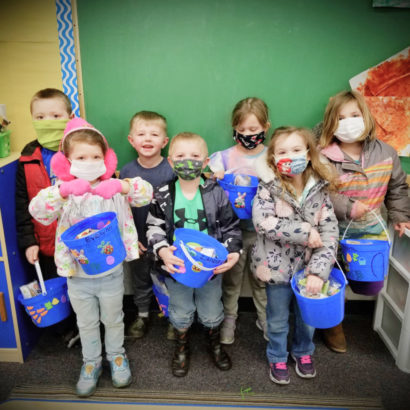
304	366
279	373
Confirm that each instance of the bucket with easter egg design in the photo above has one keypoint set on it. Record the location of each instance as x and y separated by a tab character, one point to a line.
96	243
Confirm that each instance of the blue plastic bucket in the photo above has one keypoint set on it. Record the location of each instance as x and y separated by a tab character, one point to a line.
161	293
99	251
366	262
322	313
47	310
198	266
241	197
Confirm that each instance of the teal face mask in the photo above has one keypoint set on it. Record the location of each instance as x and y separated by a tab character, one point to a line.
188	169
50	132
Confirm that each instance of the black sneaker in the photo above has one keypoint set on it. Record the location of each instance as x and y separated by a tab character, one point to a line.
304	366
139	327
279	373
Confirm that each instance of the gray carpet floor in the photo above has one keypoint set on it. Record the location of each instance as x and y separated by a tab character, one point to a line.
366	372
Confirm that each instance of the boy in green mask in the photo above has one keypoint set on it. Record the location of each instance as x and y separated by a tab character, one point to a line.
50	111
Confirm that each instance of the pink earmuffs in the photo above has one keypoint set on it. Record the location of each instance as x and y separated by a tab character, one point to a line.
60	163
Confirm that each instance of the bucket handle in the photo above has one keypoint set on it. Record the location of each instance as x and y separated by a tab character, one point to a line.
40	278
380	221
193	261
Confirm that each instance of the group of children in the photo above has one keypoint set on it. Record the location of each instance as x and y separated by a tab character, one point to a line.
303	198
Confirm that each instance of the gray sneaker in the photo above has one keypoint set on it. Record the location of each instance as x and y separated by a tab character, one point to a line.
120	371
228	330
138	328
263	327
89	375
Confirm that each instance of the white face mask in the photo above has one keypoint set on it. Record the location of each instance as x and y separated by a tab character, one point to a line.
88	170
350	129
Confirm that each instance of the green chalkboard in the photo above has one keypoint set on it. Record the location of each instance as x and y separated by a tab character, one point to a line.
192	60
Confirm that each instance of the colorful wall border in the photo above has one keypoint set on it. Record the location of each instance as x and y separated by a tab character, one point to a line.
68	52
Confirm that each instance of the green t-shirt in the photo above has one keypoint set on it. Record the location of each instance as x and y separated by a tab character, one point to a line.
189	213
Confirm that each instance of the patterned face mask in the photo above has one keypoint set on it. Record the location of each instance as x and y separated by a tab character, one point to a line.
292	165
188	169
249	141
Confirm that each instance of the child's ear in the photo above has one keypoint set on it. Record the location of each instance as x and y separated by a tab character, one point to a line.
268	124
165	142
205	163
72	115
170	162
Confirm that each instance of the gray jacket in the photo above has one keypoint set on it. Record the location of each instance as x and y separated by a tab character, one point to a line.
283	227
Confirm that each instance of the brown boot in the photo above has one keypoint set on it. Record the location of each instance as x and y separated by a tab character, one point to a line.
334	339
180	359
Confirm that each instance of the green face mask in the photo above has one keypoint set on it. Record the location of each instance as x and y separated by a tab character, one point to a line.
50	132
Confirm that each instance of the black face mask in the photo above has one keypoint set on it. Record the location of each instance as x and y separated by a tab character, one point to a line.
249	141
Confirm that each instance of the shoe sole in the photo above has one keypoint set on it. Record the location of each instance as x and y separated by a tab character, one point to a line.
227	342
120	386
300	374
278	381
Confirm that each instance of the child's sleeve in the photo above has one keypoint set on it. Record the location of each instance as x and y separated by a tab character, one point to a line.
342	206
268	223
216	162
397	200
322	259
47	205
228	223
140	193
156	229
24	223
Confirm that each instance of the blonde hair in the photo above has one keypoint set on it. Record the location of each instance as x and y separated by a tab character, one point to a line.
188	136
149	116
88	136
250	105
331	117
48	93
317	167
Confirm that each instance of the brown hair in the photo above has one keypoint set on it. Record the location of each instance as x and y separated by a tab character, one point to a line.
317	166
149	116
250	105
188	136
88	136
331	117
47	93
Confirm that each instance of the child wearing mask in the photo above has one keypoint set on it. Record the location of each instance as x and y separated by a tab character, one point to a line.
192	201
370	175
50	111
250	123
296	229
84	167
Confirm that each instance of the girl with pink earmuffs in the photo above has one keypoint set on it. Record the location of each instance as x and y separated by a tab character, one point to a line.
84	166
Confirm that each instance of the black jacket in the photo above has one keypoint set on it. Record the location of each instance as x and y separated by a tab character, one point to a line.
222	222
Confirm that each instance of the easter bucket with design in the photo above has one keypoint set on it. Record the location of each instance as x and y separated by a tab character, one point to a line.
191	245
366	262
322	313
49	309
96	243
241	197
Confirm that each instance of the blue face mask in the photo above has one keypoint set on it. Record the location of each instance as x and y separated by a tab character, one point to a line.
292	165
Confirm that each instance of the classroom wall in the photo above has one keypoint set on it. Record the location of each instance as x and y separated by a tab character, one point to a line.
192	60
30	60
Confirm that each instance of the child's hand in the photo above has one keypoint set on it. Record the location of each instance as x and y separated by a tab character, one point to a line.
314	284
231	259
141	248
32	253
314	240
401	227
169	259
75	187
107	189
219	175
358	210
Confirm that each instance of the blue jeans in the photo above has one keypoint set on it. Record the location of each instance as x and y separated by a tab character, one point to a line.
94	300
280	299
184	301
